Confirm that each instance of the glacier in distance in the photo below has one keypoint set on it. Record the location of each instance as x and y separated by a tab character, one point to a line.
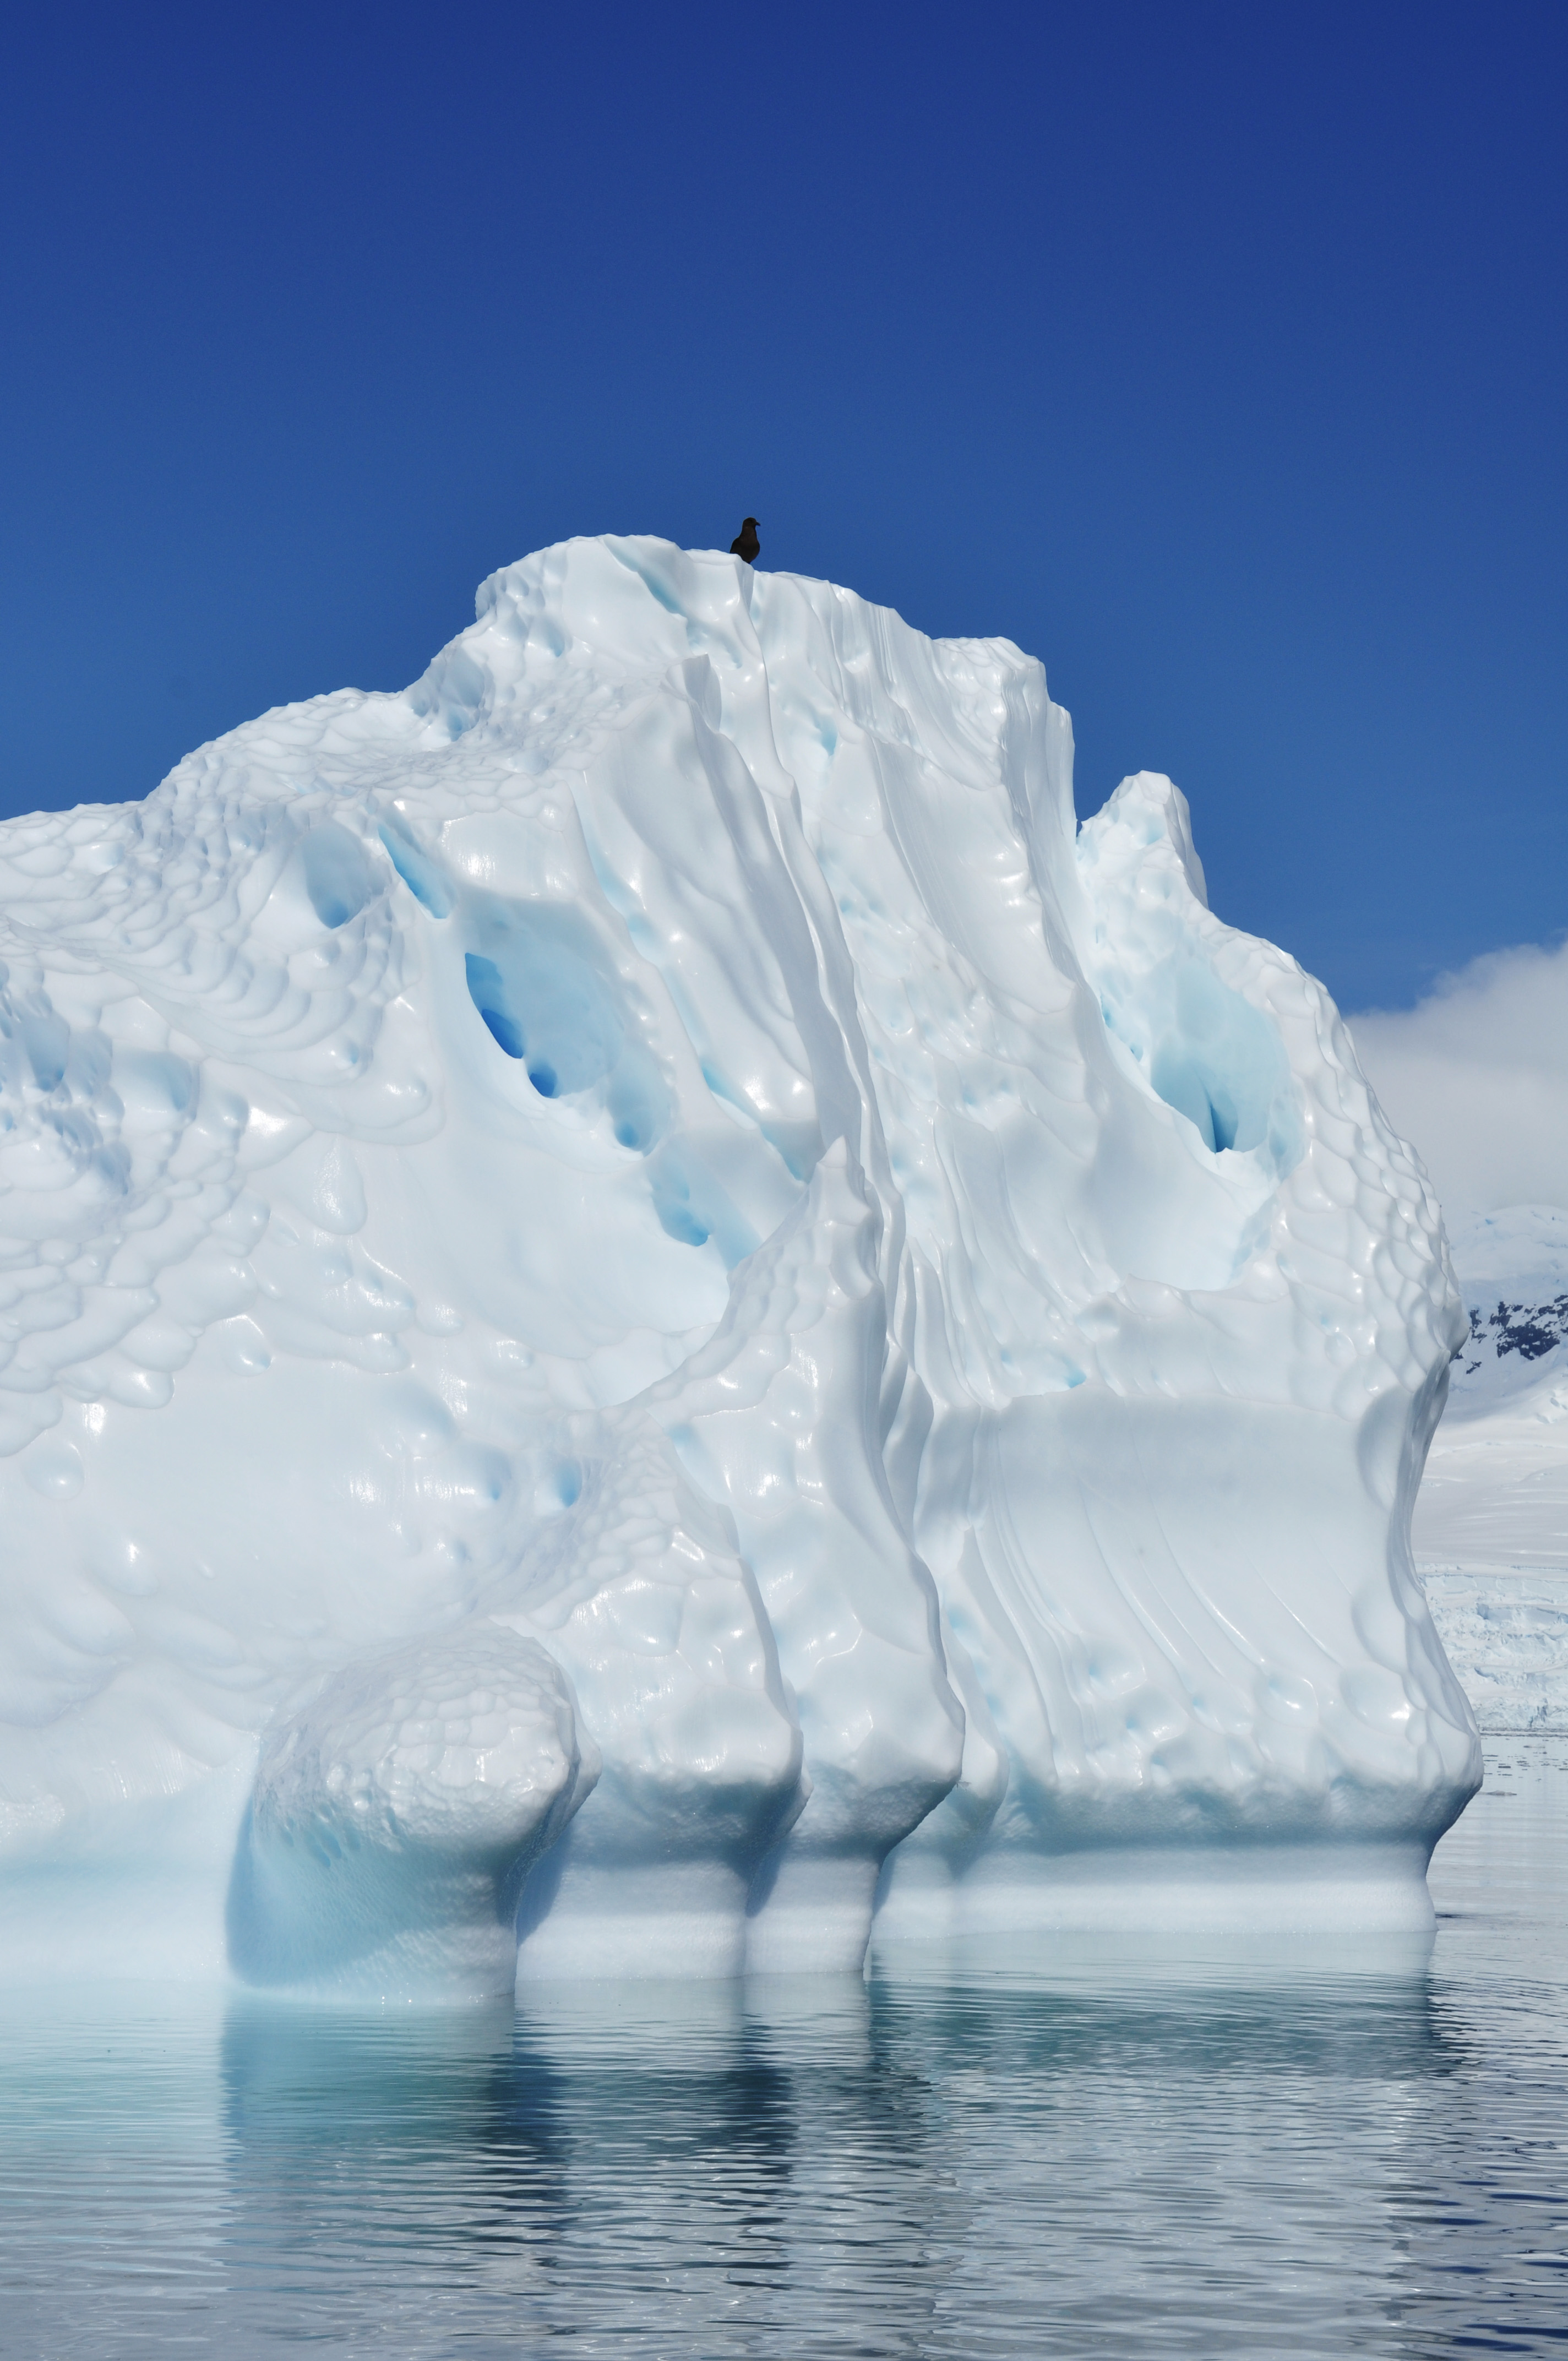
655	1323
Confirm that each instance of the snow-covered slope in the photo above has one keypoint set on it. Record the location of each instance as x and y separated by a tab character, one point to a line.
1491	1523
643	1299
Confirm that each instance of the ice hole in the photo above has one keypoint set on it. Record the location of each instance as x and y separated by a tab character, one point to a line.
692	1206
337	875
452	691
636	1106
45	1037
419	873
672	1203
154	1081
487	990
546	1006
1219	1062
559	1487
540	983
1182	1084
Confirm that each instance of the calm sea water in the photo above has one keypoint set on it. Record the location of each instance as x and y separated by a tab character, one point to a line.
1098	2156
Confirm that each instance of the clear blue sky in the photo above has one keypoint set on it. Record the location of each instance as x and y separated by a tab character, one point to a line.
1215	354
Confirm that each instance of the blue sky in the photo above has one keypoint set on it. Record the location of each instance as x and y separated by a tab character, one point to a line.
1214	353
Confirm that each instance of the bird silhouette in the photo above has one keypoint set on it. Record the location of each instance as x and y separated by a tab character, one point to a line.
745	543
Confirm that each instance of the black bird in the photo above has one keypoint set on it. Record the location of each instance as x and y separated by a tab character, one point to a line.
745	543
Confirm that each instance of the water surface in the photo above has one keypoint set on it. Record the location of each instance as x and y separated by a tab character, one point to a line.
1089	2153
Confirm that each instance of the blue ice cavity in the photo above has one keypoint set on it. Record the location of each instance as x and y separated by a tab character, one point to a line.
337	875
421	874
692	1207
539	979
1216	1058
450	691
155	1080
46	1038
672	1203
652	576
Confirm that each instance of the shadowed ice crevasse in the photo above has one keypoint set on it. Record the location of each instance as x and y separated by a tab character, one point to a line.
652	1206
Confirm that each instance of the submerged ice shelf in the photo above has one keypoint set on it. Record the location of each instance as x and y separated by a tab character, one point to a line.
647	1305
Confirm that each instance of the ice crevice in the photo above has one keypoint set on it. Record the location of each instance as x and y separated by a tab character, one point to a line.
653	1320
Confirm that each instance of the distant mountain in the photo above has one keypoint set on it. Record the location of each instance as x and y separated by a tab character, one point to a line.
1490	1531
1512	1269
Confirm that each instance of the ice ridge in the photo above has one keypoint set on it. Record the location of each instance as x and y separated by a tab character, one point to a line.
653	1320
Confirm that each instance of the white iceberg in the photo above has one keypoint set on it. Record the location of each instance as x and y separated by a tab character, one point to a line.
644	1302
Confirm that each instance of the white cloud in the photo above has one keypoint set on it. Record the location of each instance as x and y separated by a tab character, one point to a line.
1476	1078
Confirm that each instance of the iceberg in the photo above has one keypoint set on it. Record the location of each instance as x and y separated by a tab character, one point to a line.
656	1323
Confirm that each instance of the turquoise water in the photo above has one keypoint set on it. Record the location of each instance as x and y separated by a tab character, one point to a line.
1099	2155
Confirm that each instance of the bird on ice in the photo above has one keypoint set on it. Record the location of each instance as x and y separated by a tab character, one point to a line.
745	543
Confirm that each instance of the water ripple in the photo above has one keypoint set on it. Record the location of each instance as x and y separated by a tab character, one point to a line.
1090	2154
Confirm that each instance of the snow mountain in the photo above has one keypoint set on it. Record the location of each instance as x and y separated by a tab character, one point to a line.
1491	1523
1512	1270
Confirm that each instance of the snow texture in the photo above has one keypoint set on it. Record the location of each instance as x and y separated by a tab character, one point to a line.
639	1289
1491	1524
